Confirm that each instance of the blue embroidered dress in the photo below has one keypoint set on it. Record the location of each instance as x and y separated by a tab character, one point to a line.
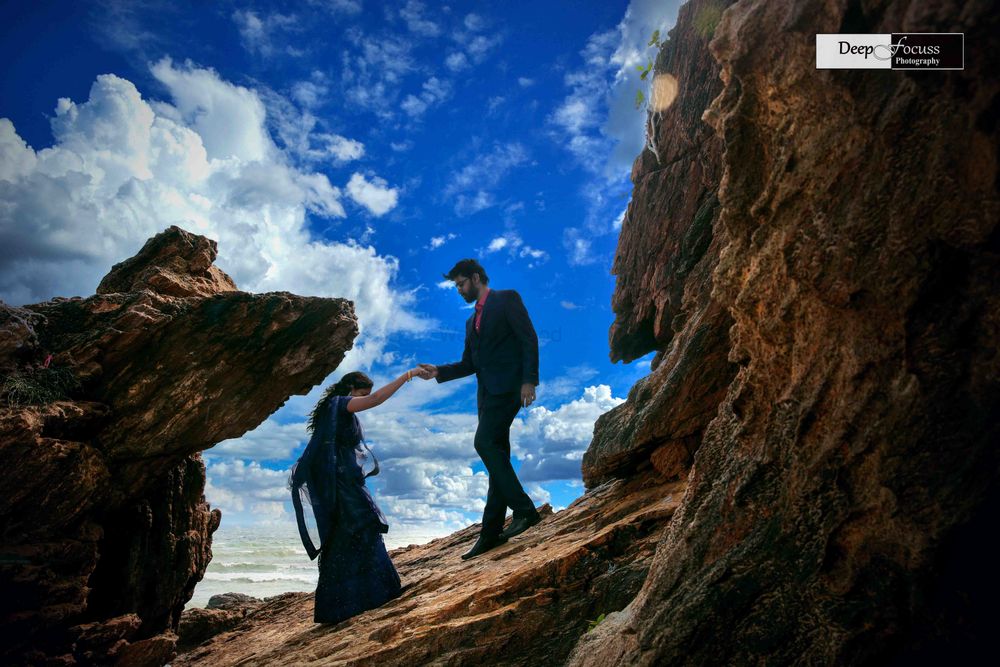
355	572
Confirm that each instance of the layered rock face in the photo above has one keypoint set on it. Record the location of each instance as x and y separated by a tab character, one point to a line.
105	526
525	603
827	378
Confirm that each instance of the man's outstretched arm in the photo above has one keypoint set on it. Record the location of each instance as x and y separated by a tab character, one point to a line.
458	369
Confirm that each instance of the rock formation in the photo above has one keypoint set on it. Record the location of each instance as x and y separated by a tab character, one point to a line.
525	603
105	526
842	441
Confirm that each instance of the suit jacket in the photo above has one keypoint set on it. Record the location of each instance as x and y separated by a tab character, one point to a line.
504	353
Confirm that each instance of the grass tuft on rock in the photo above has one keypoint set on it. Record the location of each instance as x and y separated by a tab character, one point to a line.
38	386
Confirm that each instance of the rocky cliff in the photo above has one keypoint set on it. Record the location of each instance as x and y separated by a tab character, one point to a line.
105	526
827	369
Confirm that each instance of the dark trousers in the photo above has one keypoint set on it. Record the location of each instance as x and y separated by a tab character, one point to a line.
496	413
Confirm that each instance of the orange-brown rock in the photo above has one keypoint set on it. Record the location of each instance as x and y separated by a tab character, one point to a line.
101	498
842	492
663	297
524	603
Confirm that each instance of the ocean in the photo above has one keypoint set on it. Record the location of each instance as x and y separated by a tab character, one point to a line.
266	561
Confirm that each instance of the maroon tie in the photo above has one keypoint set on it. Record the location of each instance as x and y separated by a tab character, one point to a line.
479	315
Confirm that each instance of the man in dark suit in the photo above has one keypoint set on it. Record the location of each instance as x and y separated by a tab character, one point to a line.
501	348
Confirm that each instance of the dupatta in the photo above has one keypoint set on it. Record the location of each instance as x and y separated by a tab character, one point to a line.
314	478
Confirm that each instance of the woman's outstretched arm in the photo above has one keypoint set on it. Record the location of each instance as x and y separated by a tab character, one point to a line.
359	403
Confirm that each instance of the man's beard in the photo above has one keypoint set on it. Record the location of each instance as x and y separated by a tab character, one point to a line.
469	298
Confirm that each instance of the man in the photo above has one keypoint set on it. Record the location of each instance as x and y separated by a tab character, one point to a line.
501	348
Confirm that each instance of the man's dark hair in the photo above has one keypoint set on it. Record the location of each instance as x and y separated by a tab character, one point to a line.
468	268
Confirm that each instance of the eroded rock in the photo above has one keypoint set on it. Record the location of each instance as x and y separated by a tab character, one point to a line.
527	602
101	500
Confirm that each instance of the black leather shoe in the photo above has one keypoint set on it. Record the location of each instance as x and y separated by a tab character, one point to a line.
484	544
519	525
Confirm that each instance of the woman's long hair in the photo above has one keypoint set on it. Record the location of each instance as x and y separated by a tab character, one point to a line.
351	381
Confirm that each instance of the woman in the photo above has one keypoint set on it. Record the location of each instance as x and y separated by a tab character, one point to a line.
355	573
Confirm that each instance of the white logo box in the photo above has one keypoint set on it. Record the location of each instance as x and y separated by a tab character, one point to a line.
846	51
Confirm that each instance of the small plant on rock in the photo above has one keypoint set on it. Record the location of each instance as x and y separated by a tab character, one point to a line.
38	385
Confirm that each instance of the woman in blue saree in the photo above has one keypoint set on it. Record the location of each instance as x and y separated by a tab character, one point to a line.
355	572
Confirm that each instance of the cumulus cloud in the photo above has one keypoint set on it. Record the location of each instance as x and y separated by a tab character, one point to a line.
123	169
229	119
235	486
551	443
270	441
375	194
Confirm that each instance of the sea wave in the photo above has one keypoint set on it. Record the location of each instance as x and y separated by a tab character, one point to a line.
258	578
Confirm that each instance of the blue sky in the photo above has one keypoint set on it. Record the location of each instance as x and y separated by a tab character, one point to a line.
346	148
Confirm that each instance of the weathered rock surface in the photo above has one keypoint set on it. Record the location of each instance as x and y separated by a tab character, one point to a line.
101	500
524	603
223	612
840	492
663	297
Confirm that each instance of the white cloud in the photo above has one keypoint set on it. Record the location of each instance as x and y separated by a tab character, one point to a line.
597	121
498	243
467	204
481	46
438	241
309	94
551	443
525	82
413	14
413	105
474	22
229	119
258	34
374	71
457	61
375	195
571	382
569	305
433	92
270	441
619	219
234	485
516	248
123	169
469	186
